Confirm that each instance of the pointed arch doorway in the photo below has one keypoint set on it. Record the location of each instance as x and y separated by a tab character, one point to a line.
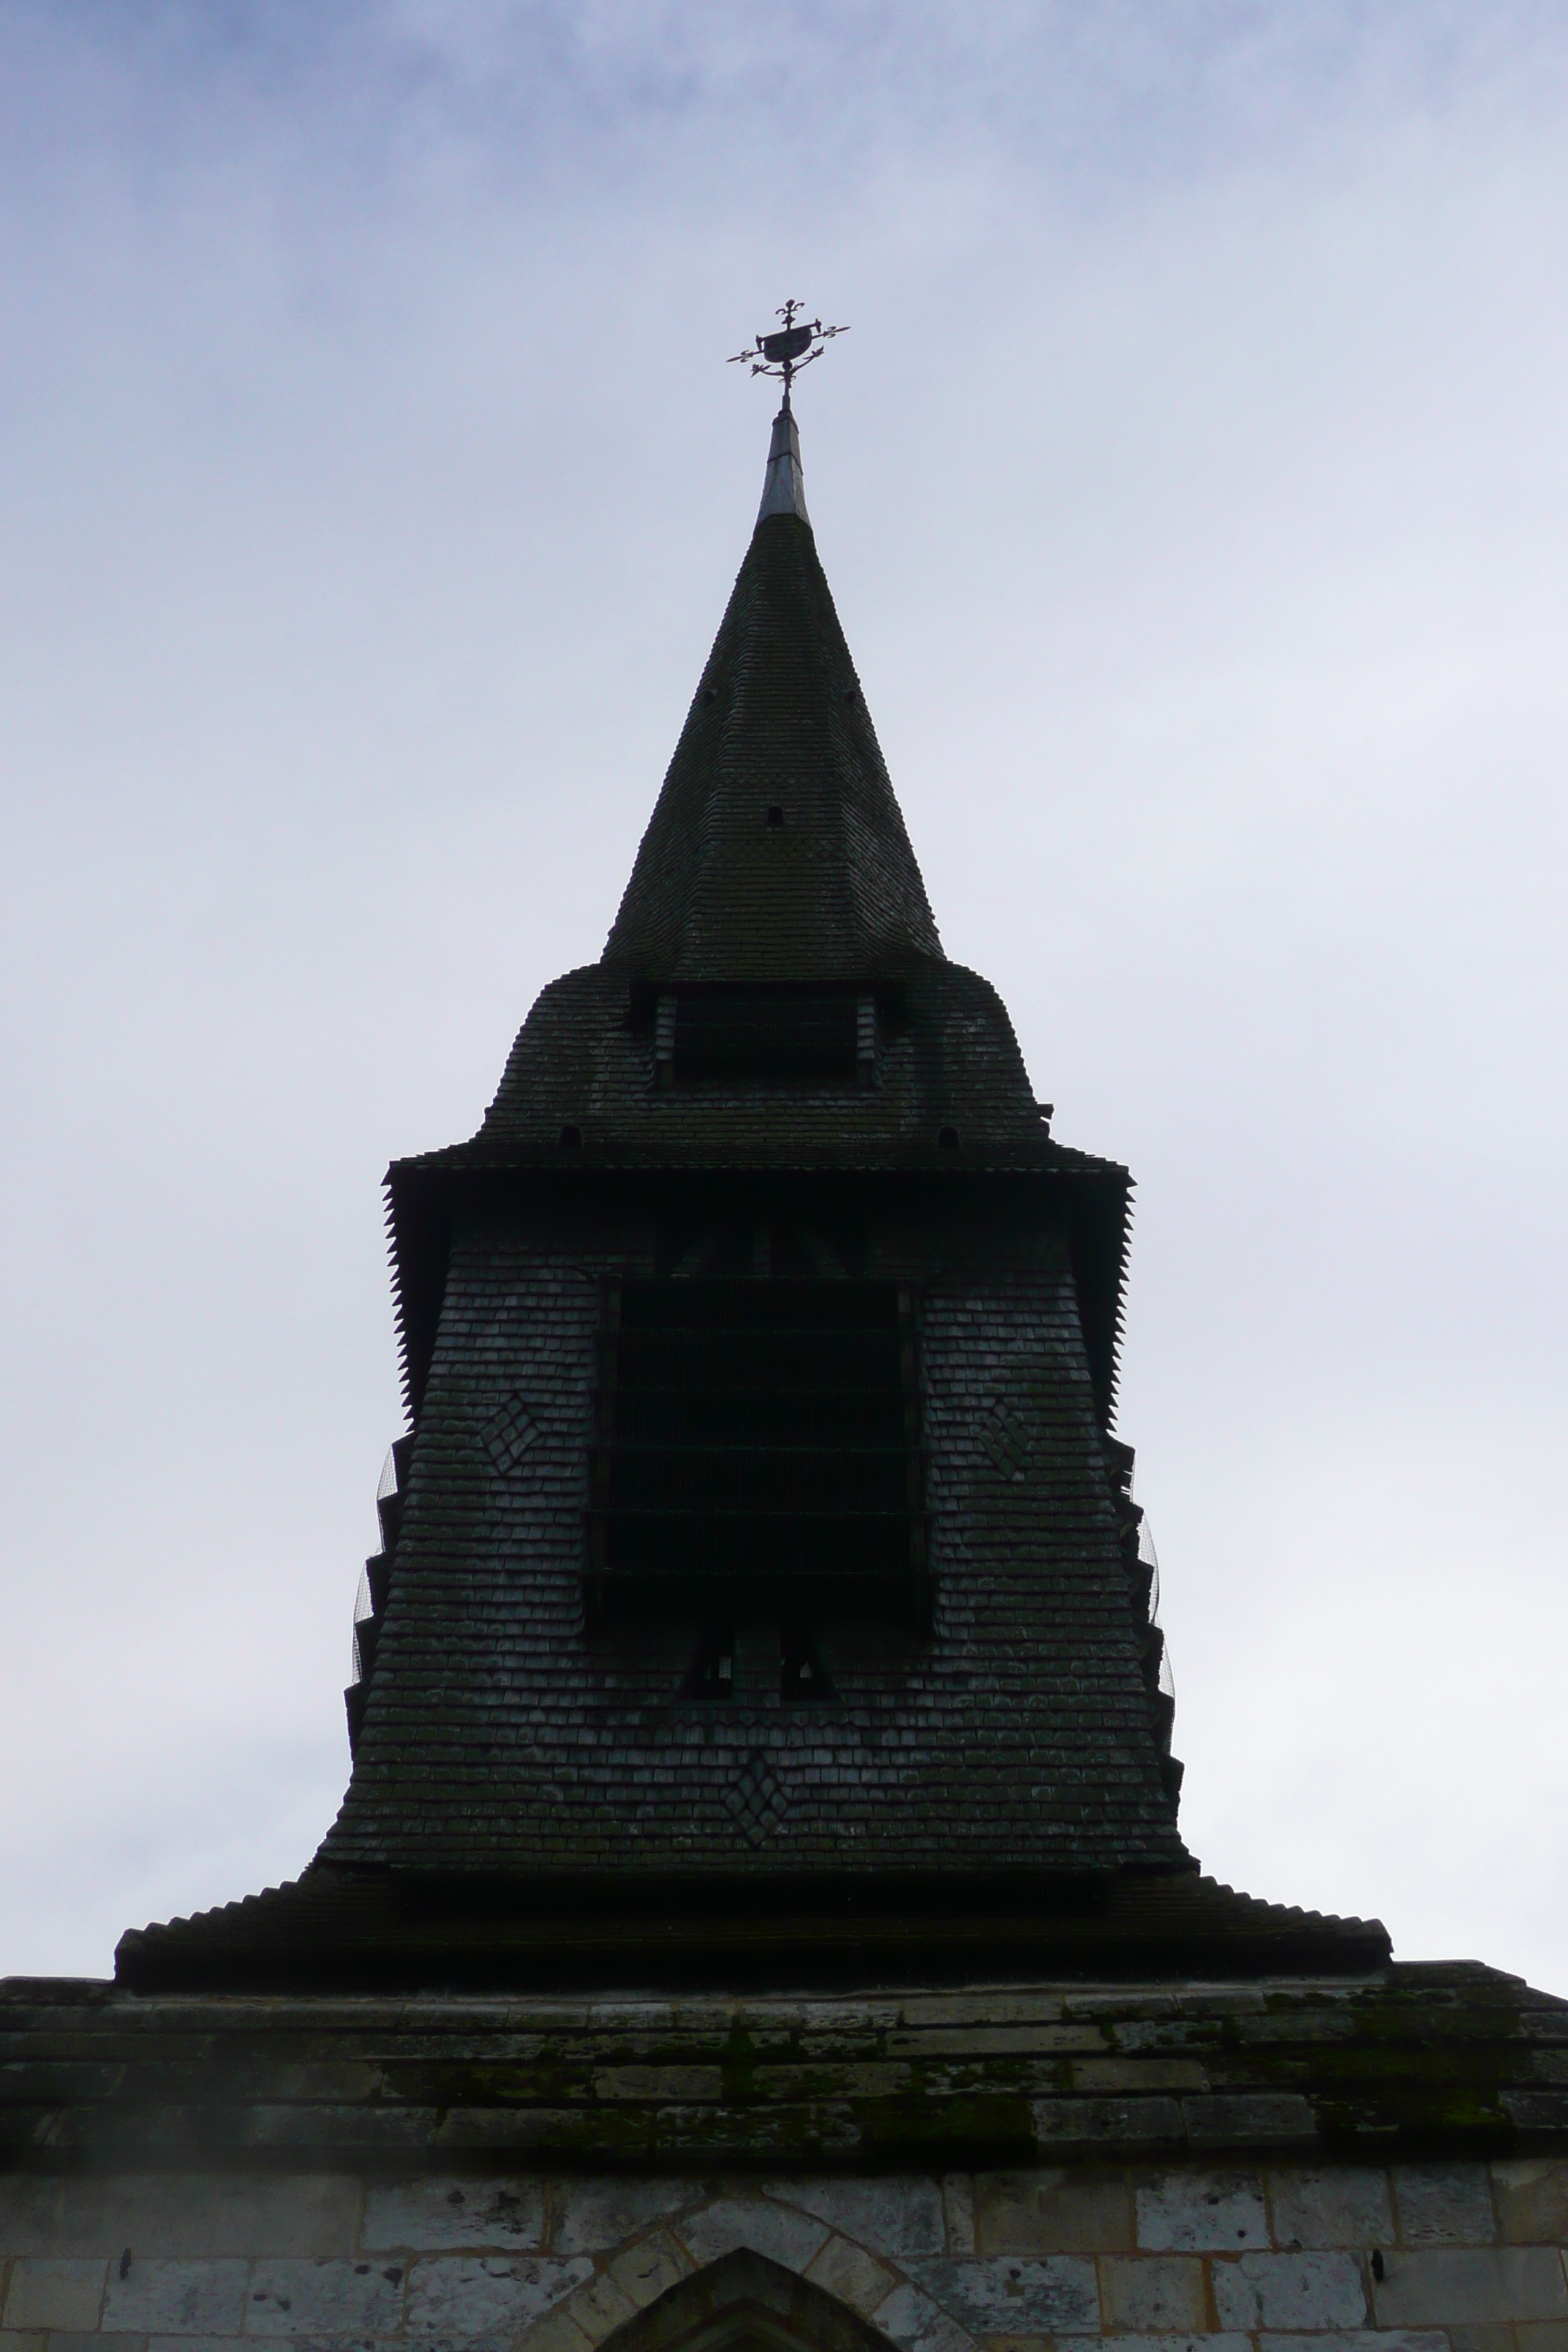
746	2302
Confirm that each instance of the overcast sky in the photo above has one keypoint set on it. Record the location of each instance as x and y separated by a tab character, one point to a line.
1192	487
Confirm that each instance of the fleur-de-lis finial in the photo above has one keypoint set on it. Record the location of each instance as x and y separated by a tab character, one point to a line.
789	348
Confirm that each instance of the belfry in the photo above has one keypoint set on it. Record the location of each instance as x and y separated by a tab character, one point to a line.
759	1914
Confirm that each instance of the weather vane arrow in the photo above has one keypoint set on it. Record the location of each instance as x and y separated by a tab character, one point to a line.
789	348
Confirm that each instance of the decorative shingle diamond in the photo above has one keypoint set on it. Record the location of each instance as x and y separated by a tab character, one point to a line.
509	1434
1005	1440
757	1799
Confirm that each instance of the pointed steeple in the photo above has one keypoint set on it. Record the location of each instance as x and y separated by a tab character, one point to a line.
776	850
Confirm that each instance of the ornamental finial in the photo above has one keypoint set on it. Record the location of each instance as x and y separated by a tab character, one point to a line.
788	349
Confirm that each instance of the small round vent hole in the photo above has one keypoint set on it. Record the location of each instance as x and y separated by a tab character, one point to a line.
947	1139
775	817
572	1139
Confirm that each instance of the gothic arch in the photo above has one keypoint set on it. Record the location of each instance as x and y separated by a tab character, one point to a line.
746	2302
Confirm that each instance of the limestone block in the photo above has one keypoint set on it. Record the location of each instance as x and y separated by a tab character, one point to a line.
1532	2195
1444	2205
997	2041
23	2339
29	2218
1488	2335
1449	2287
557	2332
1541	2335
64	2340
1152	2293
1010	2295
1188	2341
1392	2339
1054	2211
983	2009
1294	2292
788	2237
59	2293
1138	2074
67	2340
291	2297
649	2268
180	2214
913	2320
430	2216
195	2344
159	2296
686	2083
598	2307
891	2215
1201	2212
855	2277
1097	2123
1338	2205
1225	2117
597	2214
457	2295
958	2212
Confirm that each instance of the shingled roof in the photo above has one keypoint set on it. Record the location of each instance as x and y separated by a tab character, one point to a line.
777	850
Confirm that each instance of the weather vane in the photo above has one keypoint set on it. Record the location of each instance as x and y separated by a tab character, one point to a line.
785	353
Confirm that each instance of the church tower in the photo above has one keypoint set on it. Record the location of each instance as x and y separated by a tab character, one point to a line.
758	1920
761	1587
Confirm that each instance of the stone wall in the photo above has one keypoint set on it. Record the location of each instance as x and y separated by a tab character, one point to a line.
1426	2257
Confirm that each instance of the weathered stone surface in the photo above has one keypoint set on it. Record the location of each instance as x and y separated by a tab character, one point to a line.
768	2227
1392	2339
1097	2125
1291	2291
958	2212
468	2294
1488	2335
1188	2341
1152	2294
327	2298
194	2342
1531	2197
1054	2211
1201	2212
1539	2334
913	2320
1341	2205
596	2214
1008	2294
64	2293
599	2306
897	2215
1444	2205
855	2277
650	2267
432	2214
1248	2119
65	2340
1449	2287
160	2296
1426	2056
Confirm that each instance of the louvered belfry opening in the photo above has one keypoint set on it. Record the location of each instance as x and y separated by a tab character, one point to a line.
757	1440
777	1037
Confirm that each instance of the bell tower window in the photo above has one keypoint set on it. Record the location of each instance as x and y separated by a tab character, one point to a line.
758	1442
